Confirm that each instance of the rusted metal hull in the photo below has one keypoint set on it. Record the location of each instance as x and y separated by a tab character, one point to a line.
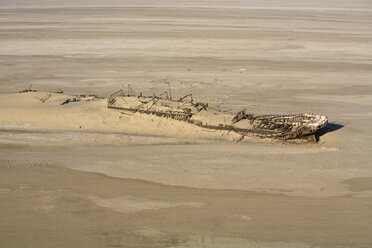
281	127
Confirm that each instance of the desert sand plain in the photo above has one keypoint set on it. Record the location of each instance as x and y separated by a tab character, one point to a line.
80	175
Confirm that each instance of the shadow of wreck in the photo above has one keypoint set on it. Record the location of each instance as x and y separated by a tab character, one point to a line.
330	127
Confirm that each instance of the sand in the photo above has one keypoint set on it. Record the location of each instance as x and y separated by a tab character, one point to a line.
45	110
53	206
81	175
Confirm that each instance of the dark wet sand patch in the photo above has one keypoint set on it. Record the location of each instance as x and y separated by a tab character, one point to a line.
359	184
47	206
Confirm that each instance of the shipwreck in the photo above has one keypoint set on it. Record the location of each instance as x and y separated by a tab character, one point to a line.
279	127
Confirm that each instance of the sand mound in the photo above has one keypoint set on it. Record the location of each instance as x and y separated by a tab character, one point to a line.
44	109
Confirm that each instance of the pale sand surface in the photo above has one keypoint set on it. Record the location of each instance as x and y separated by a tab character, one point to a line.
47	206
163	183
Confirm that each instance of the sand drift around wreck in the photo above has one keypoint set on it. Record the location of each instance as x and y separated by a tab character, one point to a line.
124	111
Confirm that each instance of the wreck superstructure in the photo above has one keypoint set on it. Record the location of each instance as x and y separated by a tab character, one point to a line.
281	127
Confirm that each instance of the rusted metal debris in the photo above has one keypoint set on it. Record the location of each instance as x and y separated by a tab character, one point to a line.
58	91
29	89
74	99
83	97
281	127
